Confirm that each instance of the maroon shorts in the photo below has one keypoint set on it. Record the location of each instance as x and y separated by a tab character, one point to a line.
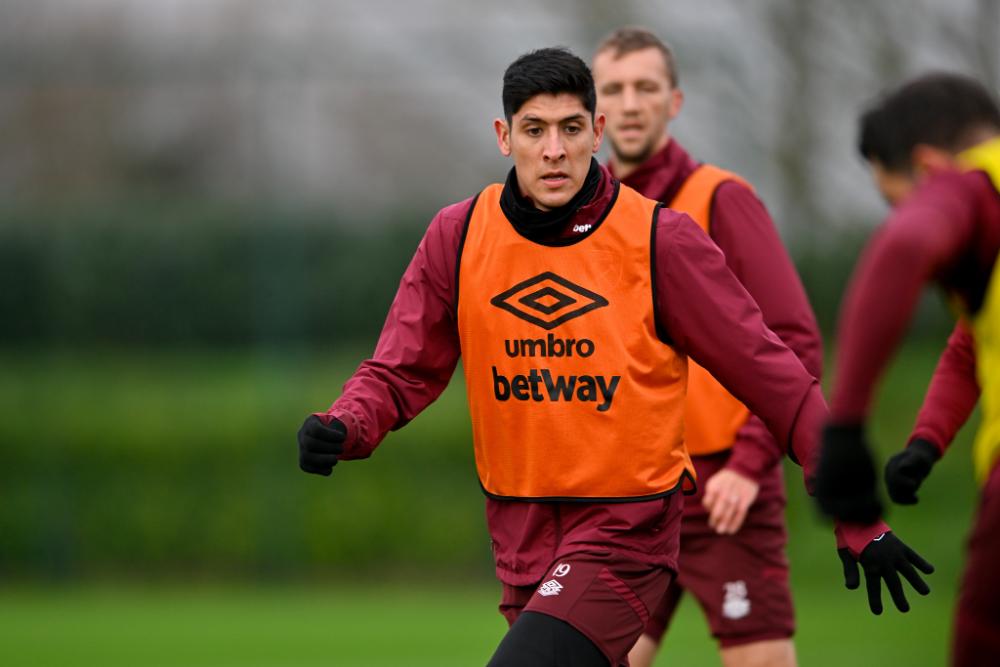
740	581
977	619
605	596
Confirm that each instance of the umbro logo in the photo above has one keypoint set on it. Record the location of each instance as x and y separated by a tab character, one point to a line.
550	588
548	300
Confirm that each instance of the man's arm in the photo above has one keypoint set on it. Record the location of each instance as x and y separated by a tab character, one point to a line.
744	231
950	399
952	394
418	349
706	313
709	315
922	237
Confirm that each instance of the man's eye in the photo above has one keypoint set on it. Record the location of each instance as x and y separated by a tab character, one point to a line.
611	90
572	129
534	131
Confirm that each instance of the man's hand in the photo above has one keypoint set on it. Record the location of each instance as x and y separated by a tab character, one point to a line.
905	471
845	485
886	557
728	497
320	444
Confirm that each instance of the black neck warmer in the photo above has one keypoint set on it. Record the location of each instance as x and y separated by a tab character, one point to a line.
537	225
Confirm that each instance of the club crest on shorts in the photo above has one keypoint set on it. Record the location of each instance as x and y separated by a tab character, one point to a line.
735	604
550	588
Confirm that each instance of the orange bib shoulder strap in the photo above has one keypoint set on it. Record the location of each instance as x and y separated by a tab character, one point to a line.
698	192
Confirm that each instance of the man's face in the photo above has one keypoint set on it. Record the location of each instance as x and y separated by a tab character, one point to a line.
552	139
635	94
894	185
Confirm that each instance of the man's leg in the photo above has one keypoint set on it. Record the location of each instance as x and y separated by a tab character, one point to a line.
741	584
600	597
643	654
539	640
766	653
977	619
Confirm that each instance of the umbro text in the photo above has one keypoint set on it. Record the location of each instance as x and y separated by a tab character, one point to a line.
548	347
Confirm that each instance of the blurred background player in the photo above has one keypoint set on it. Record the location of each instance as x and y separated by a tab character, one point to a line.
733	533
933	146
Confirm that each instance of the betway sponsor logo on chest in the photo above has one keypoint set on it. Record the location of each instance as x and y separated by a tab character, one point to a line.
547	301
540	385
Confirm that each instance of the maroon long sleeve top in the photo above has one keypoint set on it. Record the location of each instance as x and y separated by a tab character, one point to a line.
952	394
947	232
703	310
744	231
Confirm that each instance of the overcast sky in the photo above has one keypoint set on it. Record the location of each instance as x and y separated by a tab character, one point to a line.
378	106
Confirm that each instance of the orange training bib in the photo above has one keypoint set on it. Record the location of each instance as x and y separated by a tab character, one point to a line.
572	394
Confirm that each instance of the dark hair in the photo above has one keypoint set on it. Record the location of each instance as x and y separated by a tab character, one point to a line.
551	71
941	110
624	41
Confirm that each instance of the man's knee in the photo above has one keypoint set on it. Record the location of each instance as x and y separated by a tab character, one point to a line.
643	654
540	640
764	653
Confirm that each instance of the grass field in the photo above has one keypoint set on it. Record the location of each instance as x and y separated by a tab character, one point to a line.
389	626
380	617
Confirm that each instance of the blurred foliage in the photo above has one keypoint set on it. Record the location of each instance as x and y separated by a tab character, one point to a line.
175	276
156	463
168	275
168	463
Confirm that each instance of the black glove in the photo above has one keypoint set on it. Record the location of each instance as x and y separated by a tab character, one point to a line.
845	484
905	471
320	444
886	557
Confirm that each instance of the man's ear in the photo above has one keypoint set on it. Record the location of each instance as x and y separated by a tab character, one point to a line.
676	102
503	136
600	120
928	159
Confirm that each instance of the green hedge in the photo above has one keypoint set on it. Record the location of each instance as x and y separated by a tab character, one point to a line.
199	277
205	276
188	462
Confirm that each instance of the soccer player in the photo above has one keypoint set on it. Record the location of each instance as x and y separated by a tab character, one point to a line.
934	149
733	533
573	302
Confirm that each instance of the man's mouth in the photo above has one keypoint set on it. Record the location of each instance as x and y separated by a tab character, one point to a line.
630	128
555	178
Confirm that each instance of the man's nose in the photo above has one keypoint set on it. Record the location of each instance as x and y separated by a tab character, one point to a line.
555	150
630	100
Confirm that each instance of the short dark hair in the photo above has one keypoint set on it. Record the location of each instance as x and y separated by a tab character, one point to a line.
938	109
629	39
552	71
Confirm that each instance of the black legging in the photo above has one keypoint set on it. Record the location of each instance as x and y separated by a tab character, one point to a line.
540	640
